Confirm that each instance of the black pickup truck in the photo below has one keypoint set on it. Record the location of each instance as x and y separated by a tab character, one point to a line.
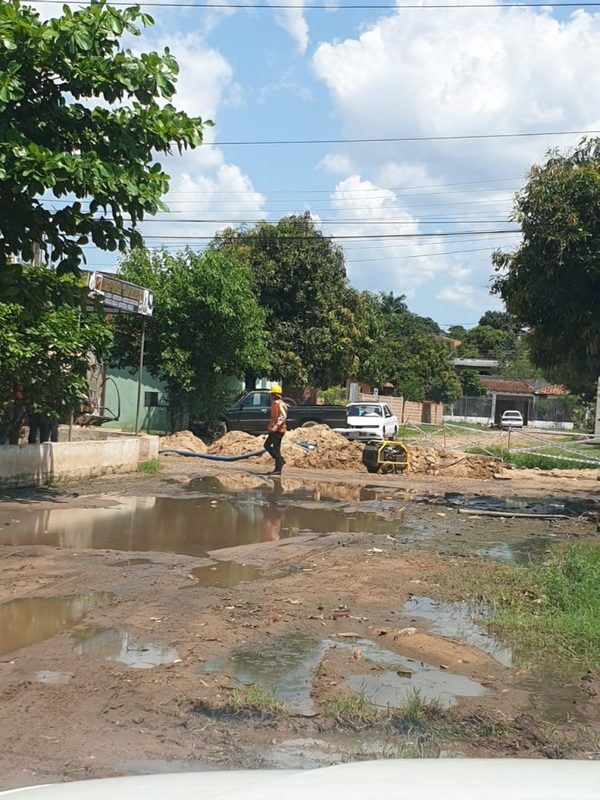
250	413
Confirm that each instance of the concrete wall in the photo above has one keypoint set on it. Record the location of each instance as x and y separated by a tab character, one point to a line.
413	412
40	464
153	418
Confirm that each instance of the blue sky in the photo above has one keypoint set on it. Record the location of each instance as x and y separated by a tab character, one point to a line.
272	74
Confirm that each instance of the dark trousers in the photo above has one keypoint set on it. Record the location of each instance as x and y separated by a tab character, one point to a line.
273	446
47	429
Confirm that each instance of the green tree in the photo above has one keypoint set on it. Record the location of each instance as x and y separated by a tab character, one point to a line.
551	282
390	303
501	321
300	279
471	384
47	334
483	341
207	325
82	118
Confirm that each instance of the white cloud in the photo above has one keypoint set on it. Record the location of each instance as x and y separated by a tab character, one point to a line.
465	71
391	264
292	20
335	164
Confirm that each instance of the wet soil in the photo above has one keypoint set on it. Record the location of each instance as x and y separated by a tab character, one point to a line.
137	616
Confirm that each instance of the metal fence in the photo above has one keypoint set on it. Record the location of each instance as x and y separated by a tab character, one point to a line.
541	409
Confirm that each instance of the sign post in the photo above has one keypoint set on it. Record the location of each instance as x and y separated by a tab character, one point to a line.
121	297
140	370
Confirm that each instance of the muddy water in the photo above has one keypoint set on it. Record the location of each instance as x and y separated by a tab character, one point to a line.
461	620
30	620
189	526
225	574
282	665
285	667
113	644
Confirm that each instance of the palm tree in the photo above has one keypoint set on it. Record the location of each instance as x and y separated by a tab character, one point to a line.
391	304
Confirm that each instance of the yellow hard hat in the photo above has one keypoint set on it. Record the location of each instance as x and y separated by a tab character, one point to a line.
276	389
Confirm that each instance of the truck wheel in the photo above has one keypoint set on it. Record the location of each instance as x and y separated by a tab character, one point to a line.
309	424
220	429
372	469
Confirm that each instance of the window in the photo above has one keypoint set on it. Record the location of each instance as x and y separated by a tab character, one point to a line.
257	400
364	410
150	399
387	411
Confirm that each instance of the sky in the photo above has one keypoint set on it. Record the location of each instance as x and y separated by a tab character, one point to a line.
269	74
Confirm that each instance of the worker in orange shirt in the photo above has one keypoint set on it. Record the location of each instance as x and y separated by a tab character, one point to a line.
276	428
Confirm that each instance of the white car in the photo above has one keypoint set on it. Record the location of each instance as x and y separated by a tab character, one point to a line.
368	420
404	779
511	419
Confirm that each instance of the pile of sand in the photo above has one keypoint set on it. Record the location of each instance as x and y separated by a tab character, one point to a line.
332	451
183	440
433	461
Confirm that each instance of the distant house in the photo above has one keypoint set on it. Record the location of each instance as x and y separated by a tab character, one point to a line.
542	406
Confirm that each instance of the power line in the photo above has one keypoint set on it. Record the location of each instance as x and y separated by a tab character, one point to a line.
329	7
418	255
363	221
398	139
353	236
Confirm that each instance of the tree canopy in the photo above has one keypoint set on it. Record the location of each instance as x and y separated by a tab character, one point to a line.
47	334
207	325
551	282
300	281
82	119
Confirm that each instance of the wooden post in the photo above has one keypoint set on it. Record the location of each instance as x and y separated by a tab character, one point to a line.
139	387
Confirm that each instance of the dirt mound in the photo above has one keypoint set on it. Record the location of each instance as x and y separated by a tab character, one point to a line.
183	440
432	461
332	451
236	443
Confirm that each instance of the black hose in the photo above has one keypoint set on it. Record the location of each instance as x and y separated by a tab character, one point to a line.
211	456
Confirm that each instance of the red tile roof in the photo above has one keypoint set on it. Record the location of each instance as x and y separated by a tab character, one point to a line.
506	386
552	390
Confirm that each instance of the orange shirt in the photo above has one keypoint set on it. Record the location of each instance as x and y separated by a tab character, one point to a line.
278	417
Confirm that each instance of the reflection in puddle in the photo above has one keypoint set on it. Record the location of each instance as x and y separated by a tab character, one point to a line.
189	526
285	666
287	489
570	507
225	574
113	644
29	620
281	665
520	552
458	620
391	689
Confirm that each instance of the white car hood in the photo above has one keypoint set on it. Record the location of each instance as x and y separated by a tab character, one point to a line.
404	779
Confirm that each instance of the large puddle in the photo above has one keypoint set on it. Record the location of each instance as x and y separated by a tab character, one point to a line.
30	620
285	667
459	620
113	644
188	526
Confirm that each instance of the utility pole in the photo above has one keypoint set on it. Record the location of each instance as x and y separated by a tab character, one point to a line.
597	419
140	370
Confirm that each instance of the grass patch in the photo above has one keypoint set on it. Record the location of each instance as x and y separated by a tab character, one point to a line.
351	710
534	460
254	698
548	610
150	467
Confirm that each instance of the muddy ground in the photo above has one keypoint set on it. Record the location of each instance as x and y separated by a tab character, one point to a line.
139	614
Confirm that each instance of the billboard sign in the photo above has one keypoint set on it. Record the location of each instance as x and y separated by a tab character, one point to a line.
119	296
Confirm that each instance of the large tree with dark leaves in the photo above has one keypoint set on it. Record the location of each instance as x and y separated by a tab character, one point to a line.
551	283
81	122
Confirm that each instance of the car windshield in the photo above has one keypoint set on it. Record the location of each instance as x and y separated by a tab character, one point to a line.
364	410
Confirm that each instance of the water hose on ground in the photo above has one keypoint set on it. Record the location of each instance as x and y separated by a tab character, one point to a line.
211	456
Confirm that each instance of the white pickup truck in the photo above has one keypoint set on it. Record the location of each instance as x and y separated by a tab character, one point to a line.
366	421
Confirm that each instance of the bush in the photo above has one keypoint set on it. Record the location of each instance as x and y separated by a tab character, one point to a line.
335	396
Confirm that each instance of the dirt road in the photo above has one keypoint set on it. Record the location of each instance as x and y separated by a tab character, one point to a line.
216	617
